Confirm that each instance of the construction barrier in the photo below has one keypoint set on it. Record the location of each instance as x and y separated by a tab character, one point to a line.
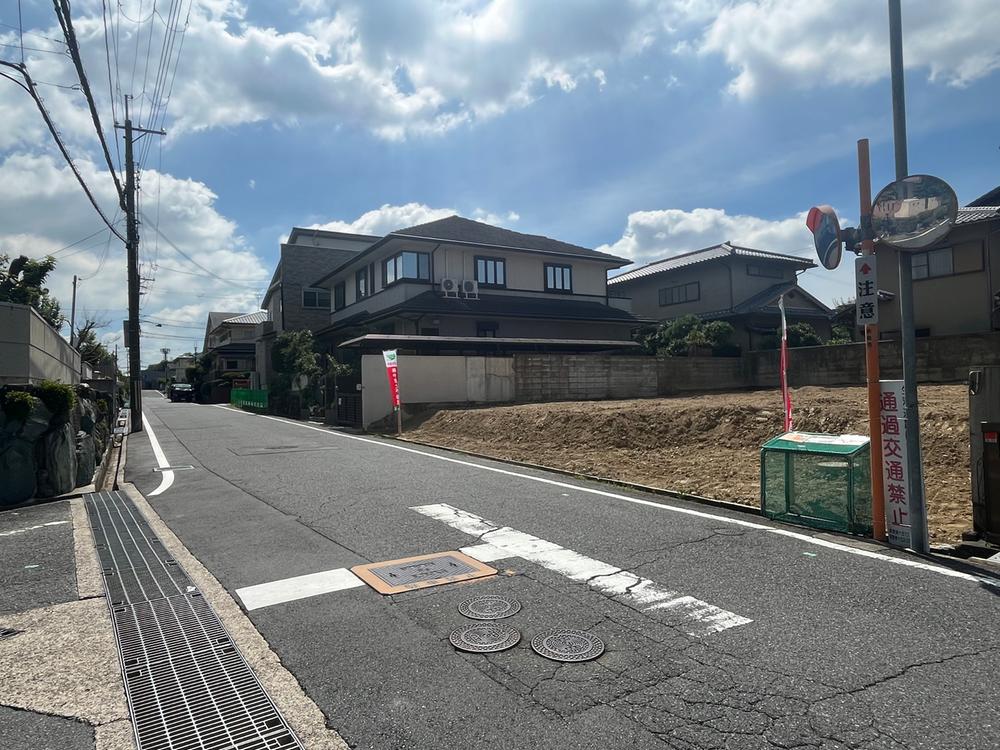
248	398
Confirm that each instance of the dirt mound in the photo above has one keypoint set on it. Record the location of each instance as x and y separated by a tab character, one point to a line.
708	444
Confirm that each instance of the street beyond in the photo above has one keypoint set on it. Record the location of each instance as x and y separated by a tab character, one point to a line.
786	639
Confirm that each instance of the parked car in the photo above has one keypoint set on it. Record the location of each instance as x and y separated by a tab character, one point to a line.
181	392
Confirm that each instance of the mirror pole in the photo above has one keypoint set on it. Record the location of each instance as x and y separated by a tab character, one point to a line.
918	510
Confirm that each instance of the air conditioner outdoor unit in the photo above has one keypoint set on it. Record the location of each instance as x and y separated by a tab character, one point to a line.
470	288
449	287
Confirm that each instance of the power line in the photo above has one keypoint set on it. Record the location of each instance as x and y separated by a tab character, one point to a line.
63	14
184	254
234	282
111	93
29	86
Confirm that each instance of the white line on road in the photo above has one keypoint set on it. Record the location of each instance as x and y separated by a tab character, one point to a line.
661	506
32	528
698	618
486	552
299	587
167	475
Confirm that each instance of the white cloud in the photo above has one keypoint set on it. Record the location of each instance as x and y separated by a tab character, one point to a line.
654	235
388	218
252	184
774	44
42	210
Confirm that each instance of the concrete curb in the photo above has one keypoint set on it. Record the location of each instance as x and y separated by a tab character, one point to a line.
302	714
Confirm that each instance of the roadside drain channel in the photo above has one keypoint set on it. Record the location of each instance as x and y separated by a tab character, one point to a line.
188	687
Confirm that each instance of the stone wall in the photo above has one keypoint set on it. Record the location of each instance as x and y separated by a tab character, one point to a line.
50	451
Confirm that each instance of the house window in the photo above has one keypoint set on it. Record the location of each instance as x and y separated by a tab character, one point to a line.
406	265
933	263
558	278
765	271
491	271
361	284
339	296
232	364
316	298
675	295
487	329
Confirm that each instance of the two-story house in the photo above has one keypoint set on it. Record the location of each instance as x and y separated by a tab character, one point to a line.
231	339
725	282
458	278
292	301
954	288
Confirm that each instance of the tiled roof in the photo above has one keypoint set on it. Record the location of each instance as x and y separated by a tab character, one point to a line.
972	214
261	316
992	198
723	250
431	302
458	229
215	318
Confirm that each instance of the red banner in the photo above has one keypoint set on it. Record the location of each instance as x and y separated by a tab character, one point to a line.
786	394
391	370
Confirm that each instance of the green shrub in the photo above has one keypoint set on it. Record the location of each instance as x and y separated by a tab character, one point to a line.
58	398
18	405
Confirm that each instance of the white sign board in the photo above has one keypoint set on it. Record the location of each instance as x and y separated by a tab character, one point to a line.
894	467
866	290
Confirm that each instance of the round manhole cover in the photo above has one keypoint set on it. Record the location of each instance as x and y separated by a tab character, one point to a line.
489	607
484	638
565	644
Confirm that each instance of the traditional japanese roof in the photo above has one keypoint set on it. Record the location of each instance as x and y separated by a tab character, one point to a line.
500	306
715	252
972	214
252	319
763	301
467	231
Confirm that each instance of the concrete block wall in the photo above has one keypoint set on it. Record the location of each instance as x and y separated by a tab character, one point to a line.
692	374
570	377
32	351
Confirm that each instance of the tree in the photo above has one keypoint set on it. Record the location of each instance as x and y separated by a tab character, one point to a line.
296	364
21	282
677	337
92	351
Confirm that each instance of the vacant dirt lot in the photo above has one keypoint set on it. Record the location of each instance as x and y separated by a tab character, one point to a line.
707	445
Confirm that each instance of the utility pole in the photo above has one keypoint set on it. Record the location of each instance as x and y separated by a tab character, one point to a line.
72	315
918	509
165	351
132	250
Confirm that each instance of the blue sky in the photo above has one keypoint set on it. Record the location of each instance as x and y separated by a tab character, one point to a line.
643	128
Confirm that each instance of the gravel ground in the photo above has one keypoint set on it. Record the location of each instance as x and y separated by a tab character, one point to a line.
709	444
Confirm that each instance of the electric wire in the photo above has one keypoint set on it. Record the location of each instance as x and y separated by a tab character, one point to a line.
111	92
29	86
66	22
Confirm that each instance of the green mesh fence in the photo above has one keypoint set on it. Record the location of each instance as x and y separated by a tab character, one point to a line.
823	481
248	398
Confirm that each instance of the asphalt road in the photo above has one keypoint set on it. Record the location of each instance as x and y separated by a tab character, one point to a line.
816	644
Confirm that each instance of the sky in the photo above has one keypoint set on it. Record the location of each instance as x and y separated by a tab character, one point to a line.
643	128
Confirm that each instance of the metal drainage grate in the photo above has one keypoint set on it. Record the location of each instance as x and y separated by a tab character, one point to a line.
407	574
188	686
566	644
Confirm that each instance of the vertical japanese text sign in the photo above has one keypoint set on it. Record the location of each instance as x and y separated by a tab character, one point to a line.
391	372
866	299
894	466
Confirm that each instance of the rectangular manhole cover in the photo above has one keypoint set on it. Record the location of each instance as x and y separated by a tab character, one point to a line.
422	571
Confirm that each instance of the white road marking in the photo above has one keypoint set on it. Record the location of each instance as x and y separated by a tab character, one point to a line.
26	529
486	552
166	476
698	618
299	587
661	506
